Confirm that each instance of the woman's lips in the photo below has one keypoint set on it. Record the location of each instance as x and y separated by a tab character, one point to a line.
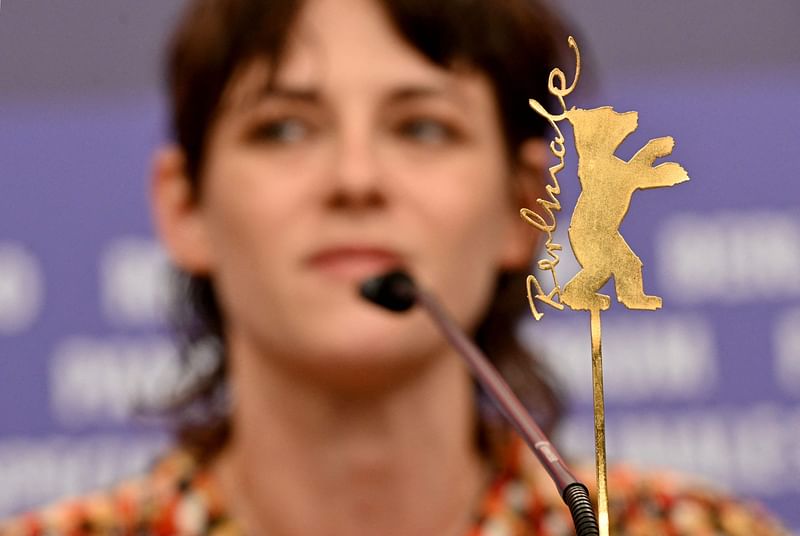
354	262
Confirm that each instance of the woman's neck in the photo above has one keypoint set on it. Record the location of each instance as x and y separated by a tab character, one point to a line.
308	461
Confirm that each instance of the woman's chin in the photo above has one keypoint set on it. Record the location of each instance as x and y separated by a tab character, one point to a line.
369	352
353	378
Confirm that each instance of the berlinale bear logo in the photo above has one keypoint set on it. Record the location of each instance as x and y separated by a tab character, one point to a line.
607	185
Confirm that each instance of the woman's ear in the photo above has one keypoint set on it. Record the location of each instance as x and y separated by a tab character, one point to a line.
528	184
176	212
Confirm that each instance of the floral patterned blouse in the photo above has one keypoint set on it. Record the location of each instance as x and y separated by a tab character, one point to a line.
177	498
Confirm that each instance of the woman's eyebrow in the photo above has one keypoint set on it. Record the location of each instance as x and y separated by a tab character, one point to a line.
245	99
304	94
410	93
396	95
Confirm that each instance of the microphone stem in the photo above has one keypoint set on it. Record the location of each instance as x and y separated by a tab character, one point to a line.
502	395
396	291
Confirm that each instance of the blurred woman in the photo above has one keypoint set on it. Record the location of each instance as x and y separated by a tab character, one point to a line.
317	144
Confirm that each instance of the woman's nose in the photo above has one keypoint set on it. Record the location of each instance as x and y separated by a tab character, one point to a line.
357	181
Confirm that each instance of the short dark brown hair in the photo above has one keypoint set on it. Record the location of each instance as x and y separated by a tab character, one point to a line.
514	43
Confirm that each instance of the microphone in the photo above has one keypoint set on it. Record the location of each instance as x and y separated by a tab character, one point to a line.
397	292
394	291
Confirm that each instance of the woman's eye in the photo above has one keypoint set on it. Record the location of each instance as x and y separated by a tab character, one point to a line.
427	131
289	130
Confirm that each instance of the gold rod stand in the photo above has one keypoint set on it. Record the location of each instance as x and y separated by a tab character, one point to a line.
599	424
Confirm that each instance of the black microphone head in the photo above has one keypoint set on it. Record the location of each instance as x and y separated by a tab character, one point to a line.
394	291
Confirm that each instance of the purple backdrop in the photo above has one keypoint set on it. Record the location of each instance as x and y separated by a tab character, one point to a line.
709	385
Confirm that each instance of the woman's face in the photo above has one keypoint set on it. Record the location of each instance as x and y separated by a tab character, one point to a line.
362	157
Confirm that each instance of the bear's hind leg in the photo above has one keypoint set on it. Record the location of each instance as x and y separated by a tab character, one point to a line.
580	293
628	281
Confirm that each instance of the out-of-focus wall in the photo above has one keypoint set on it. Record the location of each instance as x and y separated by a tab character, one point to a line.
709	385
